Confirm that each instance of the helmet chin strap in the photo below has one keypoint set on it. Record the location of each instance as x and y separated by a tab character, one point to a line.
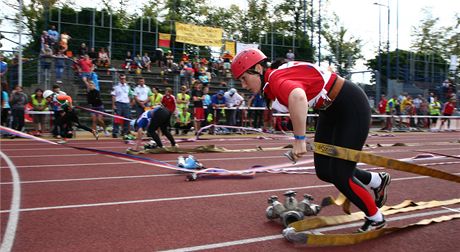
262	84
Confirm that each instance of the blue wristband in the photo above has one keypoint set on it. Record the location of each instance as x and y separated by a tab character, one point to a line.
299	137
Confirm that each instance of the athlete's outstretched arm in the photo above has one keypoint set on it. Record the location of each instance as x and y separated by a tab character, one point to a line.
298	107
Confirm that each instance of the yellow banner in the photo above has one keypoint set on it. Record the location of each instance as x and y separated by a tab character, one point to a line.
198	35
164	36
230	47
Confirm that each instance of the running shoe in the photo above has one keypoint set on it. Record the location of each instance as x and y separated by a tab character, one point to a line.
63	141
380	192
370	225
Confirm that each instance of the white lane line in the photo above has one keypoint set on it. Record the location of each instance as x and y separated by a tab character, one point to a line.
54	155
163	199
93	154
275	237
124	147
187	197
451	209
167	161
72	165
91	179
10	232
134	176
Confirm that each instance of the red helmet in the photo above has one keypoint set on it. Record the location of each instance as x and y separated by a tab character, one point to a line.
245	60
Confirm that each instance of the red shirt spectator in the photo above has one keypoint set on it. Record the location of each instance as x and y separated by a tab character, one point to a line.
448	108
169	101
382	105
85	64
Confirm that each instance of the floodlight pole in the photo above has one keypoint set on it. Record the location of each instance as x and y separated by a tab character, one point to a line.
20	45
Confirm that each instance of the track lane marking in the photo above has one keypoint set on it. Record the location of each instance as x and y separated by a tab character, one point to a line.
187	197
139	176
13	218
275	237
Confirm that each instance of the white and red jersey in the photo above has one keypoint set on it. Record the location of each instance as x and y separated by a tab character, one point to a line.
315	82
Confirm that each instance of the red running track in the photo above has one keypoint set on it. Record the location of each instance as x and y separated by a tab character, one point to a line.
75	200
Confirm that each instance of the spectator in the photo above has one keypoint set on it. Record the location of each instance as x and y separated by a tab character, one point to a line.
424	111
218	104
95	101
198	110
203	77
64	43
93	55
142	94
257	102
121	99
186	75
95	79
103	59
169	60
184	59
156	97
183	99
382	108
159	57
183	121
408	108
5	105
417	102
207	103
447	110
390	110
169	101
44	40
431	98
59	64
53	36
85	67
138	61
128	61
435	110
146	62
232	100
83	50
46	58
3	68
227	60
18	101
39	103
290	55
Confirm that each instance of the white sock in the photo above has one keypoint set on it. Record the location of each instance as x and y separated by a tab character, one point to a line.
375	180
377	217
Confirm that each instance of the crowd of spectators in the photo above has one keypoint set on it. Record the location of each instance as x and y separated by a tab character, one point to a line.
406	105
193	106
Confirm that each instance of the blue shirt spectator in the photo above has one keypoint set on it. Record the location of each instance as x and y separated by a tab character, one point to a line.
53	34
218	99
3	67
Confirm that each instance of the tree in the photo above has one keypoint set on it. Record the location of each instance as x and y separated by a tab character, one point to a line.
428	36
344	50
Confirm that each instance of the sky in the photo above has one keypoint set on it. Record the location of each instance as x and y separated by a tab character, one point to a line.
360	17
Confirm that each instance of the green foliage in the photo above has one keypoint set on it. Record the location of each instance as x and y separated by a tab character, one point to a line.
343	51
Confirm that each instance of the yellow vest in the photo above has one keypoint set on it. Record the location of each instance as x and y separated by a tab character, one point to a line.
36	103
